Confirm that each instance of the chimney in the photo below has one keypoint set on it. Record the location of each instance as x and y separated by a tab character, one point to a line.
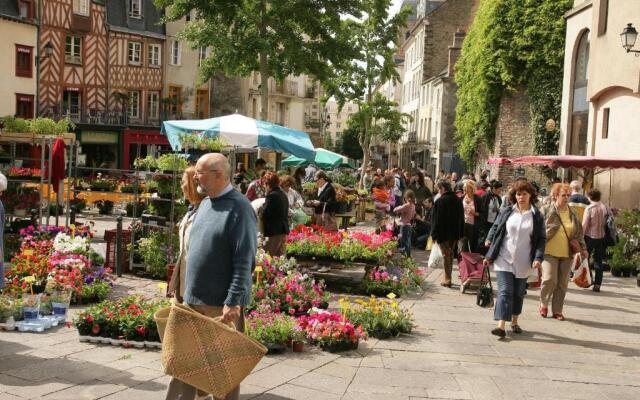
454	51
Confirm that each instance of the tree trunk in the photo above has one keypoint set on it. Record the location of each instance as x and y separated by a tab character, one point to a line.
264	72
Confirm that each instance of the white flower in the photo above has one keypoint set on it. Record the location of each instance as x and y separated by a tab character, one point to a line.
65	244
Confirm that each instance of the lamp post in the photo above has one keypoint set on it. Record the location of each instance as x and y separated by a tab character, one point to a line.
628	37
48	51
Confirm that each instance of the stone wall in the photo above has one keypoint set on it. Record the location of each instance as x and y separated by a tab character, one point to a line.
514	138
442	23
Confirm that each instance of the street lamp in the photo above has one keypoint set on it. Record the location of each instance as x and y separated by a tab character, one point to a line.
628	37
48	51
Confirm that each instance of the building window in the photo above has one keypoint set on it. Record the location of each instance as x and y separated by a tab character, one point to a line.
81	7
175	52
135	8
280	113
154	55
71	103
133	109
175	103
605	123
338	125
187	17
135	50
73	50
202	55
24	106
24	61
603	16
580	105
153	104
25	7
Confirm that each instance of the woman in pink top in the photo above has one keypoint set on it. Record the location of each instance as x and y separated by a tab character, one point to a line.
593	224
407	213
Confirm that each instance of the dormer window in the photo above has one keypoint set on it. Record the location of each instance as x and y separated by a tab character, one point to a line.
81	7
135	8
26	9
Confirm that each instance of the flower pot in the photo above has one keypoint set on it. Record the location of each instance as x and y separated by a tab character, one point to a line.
138	345
59	309
83	338
616	272
116	342
275	348
638	281
381	333
336	347
94	339
152	345
105	340
30	313
626	273
297	346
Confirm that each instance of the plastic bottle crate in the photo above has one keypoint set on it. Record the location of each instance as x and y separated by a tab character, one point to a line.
110	259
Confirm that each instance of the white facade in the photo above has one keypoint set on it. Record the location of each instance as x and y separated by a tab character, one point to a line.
412	80
338	119
601	98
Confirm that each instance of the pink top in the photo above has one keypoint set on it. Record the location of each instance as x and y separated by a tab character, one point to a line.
407	212
469	211
594	220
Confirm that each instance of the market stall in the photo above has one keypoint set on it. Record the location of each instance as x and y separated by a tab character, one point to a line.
324	159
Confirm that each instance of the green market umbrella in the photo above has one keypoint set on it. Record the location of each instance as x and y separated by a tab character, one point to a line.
324	159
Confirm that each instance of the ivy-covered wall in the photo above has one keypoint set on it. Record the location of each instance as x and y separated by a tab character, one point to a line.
511	43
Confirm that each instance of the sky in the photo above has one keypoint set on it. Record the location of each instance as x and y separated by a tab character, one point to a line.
395	7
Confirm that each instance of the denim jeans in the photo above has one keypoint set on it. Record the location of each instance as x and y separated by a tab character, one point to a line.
404	243
597	249
510	296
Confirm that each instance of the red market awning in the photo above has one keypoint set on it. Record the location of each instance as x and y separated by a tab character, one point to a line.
569	161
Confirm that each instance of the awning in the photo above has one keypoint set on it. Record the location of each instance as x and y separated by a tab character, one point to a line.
569	161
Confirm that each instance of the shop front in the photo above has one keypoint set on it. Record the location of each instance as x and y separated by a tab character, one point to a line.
99	149
140	143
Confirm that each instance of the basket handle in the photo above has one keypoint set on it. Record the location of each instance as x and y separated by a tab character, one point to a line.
229	325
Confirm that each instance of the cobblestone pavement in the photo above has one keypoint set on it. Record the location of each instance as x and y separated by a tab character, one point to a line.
595	354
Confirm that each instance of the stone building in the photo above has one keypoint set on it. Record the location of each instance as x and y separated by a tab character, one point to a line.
18	24
601	93
336	120
430	51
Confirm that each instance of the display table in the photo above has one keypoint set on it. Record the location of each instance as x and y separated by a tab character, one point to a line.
345	218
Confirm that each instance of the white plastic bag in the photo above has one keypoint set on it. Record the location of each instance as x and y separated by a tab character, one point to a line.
436	259
581	275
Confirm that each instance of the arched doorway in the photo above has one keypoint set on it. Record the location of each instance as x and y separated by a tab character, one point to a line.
580	103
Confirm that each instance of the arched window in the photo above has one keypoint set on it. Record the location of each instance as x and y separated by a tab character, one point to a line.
580	105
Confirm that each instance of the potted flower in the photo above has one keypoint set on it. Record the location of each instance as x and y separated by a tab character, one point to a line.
271	329
380	318
331	331
298	336
7	308
77	204
60	302
102	185
84	323
380	283
105	207
30	306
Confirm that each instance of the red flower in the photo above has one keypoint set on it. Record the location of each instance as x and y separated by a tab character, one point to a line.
95	329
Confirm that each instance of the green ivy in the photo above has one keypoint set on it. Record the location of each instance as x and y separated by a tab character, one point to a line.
511	44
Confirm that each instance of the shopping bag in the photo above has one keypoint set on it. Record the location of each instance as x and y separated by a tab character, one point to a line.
581	276
436	258
535	278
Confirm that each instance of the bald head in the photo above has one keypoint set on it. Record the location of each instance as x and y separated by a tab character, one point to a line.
212	173
217	162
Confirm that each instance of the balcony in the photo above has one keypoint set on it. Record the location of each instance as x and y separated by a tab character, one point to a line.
412	137
286	88
94	116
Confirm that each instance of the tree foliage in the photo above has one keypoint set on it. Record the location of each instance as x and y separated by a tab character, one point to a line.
350	145
375	37
511	44
274	37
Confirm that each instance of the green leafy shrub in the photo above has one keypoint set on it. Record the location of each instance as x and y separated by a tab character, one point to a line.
172	162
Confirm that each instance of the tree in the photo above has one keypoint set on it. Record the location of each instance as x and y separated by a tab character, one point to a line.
350	146
375	37
273	37
328	142
511	44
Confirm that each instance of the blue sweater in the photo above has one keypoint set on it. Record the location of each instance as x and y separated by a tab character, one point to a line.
222	250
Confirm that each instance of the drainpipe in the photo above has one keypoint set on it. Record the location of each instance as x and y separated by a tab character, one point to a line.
38	61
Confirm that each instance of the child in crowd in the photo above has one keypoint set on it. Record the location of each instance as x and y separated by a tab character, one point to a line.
406	212
380	196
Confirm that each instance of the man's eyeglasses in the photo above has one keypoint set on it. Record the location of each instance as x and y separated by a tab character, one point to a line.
205	171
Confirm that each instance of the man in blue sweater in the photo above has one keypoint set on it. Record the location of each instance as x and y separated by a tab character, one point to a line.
221	257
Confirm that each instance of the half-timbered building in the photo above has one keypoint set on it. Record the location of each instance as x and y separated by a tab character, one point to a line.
135	69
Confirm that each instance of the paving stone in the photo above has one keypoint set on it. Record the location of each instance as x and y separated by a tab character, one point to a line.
89	390
289	391
308	359
274	375
405	379
323	383
480	387
448	394
133	377
338	370
146	391
8	396
29	389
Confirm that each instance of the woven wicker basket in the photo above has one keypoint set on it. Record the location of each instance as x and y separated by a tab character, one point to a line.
205	353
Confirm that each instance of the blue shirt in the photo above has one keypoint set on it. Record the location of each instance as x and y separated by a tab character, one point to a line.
222	249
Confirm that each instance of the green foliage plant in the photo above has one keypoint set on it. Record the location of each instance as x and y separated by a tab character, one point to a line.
512	45
172	162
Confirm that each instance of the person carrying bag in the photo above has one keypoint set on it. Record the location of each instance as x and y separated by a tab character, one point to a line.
564	240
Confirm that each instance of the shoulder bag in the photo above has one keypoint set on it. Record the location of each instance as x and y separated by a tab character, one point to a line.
574	245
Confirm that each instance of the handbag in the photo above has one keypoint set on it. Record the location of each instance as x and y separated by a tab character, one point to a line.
610	230
206	353
484	298
328	220
574	245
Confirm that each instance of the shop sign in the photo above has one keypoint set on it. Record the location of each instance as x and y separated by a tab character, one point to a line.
99	137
